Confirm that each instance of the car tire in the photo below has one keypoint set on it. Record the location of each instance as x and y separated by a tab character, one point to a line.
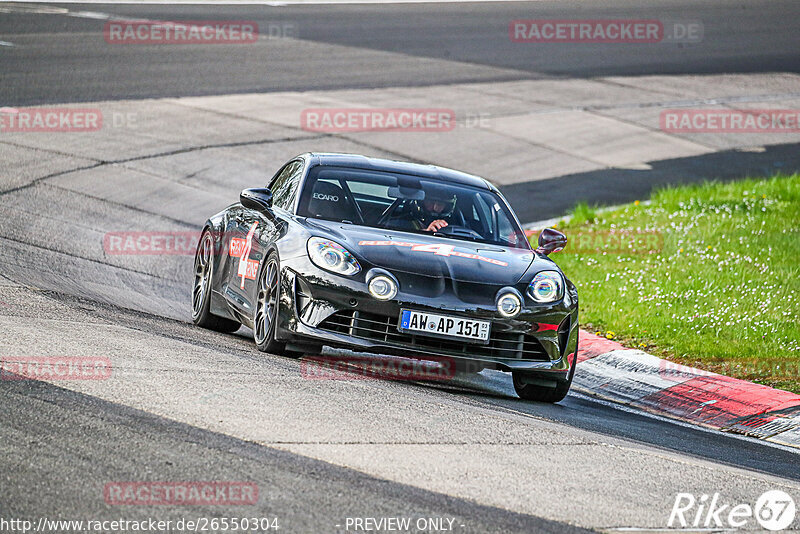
535	392
201	289
538	393
265	317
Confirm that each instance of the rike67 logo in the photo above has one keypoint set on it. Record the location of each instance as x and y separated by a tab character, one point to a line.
774	510
240	248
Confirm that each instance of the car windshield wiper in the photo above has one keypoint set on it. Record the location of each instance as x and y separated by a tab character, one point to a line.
456	236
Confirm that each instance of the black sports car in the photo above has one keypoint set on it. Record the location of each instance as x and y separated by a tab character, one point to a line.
390	257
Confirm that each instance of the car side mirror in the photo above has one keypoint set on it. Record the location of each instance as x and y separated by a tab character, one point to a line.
257	199
551	240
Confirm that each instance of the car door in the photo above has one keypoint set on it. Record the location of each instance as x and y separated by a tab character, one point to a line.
230	250
253	233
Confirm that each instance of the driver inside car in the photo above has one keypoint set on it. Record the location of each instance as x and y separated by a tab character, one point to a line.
433	212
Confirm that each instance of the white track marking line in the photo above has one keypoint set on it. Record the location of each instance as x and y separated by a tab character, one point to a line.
271	3
89	15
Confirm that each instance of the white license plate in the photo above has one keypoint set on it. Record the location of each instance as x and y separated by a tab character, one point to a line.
433	324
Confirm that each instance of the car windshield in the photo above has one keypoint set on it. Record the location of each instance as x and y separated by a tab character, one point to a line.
411	204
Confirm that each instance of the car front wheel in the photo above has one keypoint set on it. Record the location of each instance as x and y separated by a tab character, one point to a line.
529	388
266	315
540	392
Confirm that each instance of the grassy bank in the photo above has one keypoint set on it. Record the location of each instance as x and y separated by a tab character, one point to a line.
705	275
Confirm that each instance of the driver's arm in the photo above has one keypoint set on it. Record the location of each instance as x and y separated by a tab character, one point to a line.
436	225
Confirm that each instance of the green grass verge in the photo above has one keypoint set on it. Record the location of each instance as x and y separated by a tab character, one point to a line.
705	275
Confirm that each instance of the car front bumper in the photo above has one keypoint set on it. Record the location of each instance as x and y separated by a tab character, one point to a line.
325	309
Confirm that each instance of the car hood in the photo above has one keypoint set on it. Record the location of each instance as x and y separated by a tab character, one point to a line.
425	255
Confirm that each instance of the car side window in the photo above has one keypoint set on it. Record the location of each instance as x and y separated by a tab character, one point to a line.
284	186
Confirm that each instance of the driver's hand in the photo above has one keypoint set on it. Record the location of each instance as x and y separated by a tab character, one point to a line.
436	225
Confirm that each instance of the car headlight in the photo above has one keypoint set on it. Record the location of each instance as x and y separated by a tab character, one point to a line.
382	287
509	305
332	256
546	286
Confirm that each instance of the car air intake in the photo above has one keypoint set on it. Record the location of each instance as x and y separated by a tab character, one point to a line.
383	329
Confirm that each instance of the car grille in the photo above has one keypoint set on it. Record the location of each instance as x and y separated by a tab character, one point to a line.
384	328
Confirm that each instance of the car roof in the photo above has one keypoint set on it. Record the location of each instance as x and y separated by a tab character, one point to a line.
403	167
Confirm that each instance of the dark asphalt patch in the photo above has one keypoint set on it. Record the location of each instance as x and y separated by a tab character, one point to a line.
61	448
